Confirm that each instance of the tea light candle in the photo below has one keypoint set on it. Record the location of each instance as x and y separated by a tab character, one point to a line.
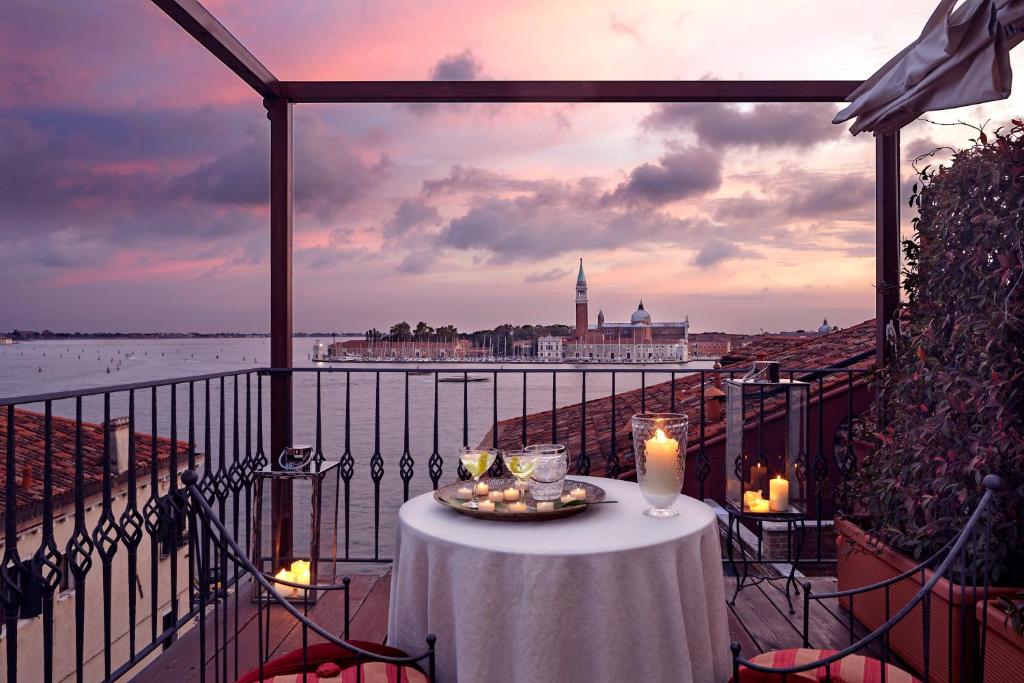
778	497
482	488
464	493
760	505
511	495
496	496
578	494
545	506
567	498
486	506
517	507
662	476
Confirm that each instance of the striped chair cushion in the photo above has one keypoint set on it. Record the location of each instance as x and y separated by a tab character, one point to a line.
288	668
851	669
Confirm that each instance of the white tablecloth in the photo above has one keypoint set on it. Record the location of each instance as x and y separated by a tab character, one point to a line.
606	595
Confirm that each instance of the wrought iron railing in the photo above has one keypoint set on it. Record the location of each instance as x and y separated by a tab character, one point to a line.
392	430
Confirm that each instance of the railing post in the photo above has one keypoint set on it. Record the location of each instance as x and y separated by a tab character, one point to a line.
279	112
887	240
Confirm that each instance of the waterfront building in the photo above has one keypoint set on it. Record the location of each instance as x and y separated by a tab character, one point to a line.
550	348
4	341
639	340
399	350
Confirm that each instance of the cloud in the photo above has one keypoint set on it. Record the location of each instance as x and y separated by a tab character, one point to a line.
471	179
547	275
768	125
411	215
624	29
679	174
716	250
462	66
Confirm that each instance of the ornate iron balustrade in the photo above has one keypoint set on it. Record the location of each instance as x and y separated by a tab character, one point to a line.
123	522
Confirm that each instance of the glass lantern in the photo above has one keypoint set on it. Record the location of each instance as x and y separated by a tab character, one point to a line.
659	444
766	444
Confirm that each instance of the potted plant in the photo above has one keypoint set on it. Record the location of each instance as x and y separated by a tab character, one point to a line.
952	399
1004	638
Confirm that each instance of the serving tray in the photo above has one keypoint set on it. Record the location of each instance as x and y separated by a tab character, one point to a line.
445	495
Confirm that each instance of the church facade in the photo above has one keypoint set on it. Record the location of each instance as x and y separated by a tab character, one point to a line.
638	341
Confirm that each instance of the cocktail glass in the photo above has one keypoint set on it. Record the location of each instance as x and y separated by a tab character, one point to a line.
476	461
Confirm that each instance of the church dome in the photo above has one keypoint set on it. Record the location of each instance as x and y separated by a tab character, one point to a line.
824	329
640	316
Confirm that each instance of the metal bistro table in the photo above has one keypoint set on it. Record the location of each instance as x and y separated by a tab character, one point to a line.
316	472
794	522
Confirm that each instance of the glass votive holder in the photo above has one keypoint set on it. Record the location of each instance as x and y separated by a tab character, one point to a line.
548	476
659	444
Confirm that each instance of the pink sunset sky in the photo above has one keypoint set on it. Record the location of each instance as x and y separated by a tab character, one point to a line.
135	166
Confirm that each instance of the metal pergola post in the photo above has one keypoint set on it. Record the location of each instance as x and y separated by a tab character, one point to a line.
279	96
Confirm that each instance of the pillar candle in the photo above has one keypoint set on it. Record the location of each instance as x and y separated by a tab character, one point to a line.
749	497
545	505
482	489
760	505
517	507
567	498
510	495
662	457
758	477
578	493
464	493
496	496
779	495
486	506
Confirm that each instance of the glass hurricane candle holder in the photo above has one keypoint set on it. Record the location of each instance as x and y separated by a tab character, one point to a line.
659	444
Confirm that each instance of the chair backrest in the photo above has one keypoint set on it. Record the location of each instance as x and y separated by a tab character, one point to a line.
221	563
963	561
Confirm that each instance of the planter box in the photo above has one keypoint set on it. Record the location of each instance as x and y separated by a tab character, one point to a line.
861	563
1004	649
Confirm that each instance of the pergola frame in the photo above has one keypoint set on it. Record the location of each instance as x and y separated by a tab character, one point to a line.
280	96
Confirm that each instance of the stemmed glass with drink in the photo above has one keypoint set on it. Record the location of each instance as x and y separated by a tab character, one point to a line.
521	464
476	461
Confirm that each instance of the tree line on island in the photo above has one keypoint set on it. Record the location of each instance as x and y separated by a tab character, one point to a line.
507	333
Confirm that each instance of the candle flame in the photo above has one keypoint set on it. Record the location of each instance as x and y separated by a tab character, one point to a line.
659	435
778	477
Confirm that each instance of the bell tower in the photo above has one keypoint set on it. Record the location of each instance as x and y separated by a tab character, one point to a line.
581	304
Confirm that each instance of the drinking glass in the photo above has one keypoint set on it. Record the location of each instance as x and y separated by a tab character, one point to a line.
548	476
476	462
659	444
521	464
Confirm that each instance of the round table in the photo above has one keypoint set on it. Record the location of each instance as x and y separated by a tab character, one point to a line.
606	595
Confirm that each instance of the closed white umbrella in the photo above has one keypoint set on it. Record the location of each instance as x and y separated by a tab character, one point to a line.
961	58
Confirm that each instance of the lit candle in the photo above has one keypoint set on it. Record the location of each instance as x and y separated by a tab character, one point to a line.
486	506
578	494
511	495
662	457
300	572
464	493
496	496
285	575
482	488
758	476
749	497
778	497
545	506
760	505
517	507
567	498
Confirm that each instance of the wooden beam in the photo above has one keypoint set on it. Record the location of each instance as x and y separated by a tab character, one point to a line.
567	91
887	240
282	176
211	34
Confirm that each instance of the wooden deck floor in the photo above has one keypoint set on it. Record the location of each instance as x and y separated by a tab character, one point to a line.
759	621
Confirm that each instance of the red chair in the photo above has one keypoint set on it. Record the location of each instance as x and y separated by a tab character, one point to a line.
961	557
352	660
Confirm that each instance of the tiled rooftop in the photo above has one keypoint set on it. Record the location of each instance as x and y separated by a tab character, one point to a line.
843	348
29	449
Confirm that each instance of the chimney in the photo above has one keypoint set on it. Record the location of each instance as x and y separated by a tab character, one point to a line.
27	477
118	430
713	400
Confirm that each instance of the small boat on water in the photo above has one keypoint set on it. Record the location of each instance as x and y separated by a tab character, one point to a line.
462	378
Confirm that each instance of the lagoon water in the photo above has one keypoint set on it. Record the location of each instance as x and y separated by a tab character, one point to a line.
50	366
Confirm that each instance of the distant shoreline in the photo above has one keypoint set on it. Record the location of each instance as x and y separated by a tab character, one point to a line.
20	335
